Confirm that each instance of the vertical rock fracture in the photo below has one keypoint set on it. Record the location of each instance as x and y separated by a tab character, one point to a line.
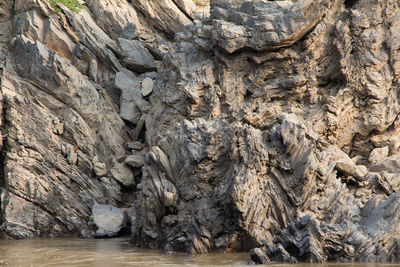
269	126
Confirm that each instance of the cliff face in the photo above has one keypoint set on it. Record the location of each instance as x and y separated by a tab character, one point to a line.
269	125
71	102
276	123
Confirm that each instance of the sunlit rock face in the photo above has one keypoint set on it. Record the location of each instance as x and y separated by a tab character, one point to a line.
71	99
276	127
269	126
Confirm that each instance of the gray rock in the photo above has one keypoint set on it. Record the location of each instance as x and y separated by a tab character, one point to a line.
169	16
58	83
134	146
135	160
131	101
122	174
108	220
265	25
147	86
266	130
135	56
127	84
267	109
378	154
99	167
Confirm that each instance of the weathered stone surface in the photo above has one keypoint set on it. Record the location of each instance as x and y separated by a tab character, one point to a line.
264	118
147	86
272	125
100	168
123	174
166	15
378	154
65	144
129	86
264	25
135	56
109	220
134	145
135	160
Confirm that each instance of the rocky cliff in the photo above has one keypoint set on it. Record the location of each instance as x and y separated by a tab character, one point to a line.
72	106
268	126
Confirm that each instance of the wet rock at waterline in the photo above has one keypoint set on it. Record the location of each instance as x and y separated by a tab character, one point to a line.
269	119
108	220
270	126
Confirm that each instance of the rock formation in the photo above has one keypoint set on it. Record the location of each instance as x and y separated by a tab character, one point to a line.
271	126
109	220
71	102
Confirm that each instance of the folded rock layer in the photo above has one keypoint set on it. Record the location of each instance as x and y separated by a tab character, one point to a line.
271	126
266	115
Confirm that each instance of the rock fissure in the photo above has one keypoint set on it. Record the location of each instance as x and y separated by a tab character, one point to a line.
271	126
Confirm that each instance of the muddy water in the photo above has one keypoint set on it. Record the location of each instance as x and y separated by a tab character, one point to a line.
115	252
101	252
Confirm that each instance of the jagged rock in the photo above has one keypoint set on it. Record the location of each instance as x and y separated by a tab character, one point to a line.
308	240
135	56
57	74
134	145
378	154
188	8
256	134
108	220
169	17
132	104
122	174
390	164
135	160
99	167
139	127
111	17
147	86
128	109
279	23
278	123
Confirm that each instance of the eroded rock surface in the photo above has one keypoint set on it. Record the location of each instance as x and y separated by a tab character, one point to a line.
270	126
275	123
70	109
108	220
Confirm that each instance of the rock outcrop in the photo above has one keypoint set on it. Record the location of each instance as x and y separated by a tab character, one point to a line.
108	220
270	126
69	108
273	123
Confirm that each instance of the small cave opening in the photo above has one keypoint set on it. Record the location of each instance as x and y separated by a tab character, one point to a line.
125	231
247	95
350	3
340	174
142	134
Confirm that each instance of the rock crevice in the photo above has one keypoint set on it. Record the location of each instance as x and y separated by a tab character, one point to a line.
271	126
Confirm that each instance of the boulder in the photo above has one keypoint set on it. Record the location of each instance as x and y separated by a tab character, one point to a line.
109	220
122	174
147	86
135	161
135	55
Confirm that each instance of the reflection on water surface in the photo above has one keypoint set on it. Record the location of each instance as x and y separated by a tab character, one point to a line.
118	252
102	252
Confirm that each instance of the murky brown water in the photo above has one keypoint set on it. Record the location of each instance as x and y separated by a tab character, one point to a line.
116	252
101	252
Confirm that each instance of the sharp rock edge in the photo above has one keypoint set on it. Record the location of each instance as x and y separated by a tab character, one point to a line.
270	126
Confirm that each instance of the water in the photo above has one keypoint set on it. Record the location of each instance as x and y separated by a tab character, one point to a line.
118	252
102	252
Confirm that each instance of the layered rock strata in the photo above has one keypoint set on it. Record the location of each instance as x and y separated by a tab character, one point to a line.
71	95
267	128
270	126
